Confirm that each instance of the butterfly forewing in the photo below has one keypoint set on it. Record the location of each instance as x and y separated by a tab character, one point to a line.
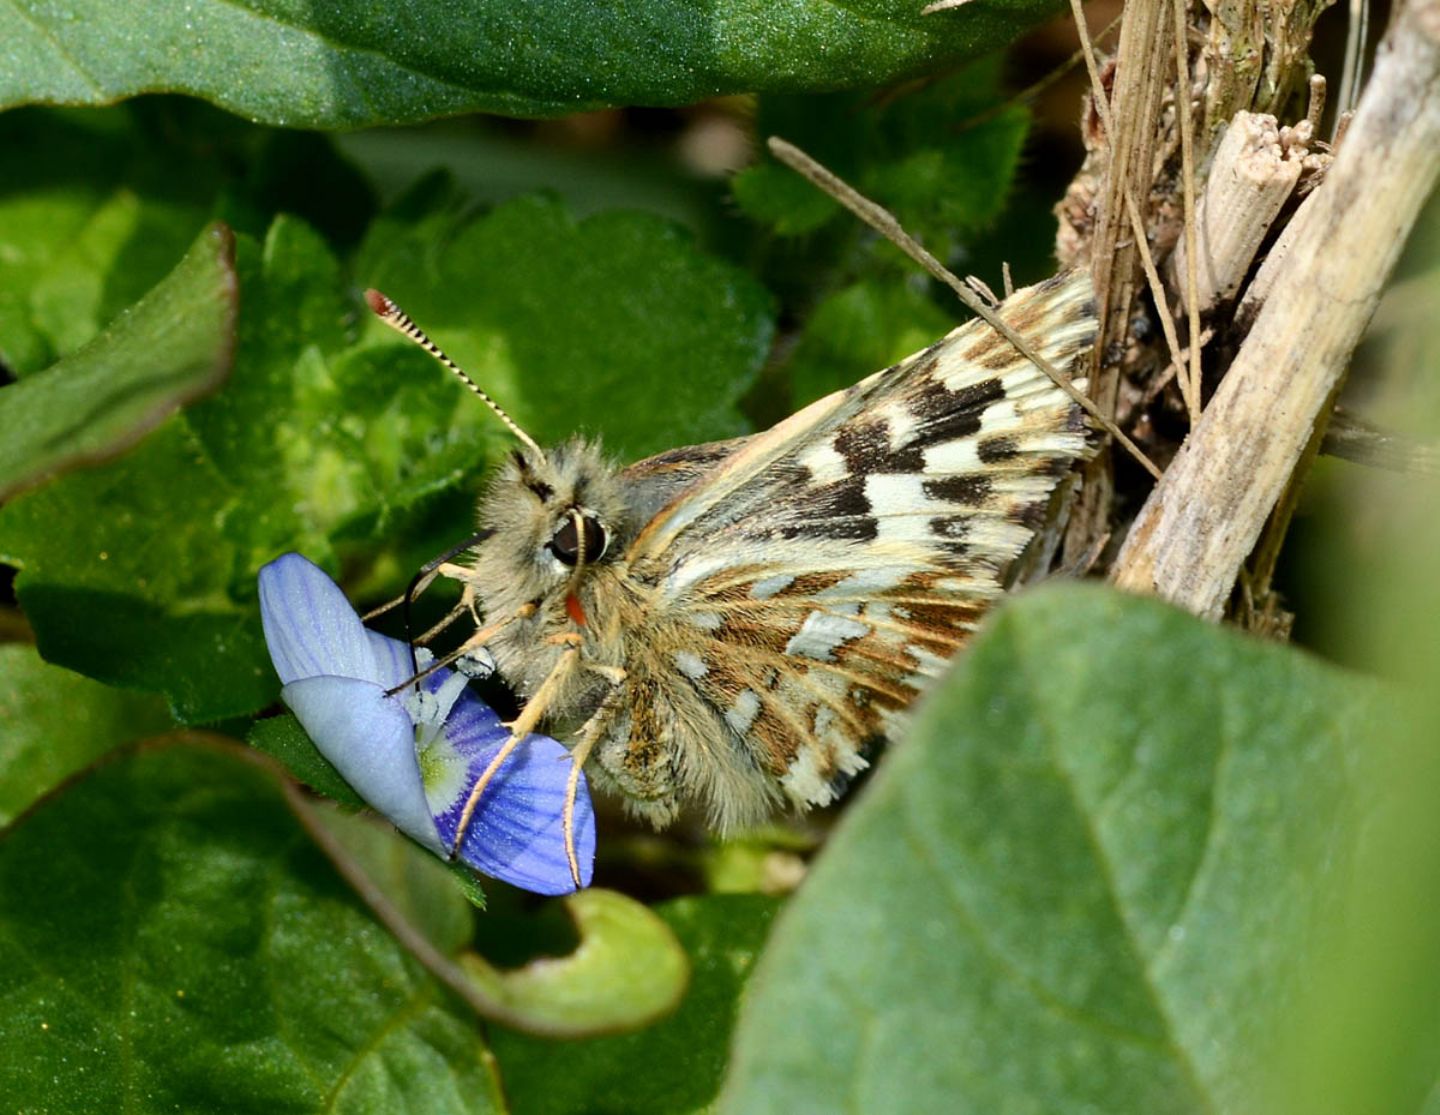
805	583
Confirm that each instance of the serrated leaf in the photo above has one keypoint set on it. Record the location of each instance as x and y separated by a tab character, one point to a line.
353	62
926	154
613	325
672	1067
170	940
54	723
1097	876
171	347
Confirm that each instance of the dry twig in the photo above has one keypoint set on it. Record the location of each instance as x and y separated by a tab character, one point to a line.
1203	519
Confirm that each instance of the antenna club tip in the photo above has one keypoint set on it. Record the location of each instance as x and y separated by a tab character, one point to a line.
379	304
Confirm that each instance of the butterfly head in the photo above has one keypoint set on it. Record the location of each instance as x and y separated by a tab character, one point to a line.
553	516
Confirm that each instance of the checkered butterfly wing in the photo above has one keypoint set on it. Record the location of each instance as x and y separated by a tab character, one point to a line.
812	578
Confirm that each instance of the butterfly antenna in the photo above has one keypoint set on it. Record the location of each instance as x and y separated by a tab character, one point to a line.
393	316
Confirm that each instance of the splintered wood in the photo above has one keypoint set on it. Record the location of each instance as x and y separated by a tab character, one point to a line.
1320	287
1255	170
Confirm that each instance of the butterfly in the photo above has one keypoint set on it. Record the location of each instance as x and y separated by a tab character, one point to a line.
733	626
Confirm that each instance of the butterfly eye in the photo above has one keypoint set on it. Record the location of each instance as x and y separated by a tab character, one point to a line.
566	543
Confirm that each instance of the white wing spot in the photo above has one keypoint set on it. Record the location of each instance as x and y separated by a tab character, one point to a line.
900	423
691	664
825	463
766	588
803	782
866	582
821	634
952	457
744	711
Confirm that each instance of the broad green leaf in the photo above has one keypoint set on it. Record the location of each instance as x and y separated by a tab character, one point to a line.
353	62
863	328
54	723
672	1067
421	888
125	576
1097	876
614	325
171	347
170	940
96	205
627	971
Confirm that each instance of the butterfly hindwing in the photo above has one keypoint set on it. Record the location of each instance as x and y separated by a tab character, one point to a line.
809	580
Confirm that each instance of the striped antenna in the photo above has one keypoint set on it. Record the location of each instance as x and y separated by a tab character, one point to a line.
393	316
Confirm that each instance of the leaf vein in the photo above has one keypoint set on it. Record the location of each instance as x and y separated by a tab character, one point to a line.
63	51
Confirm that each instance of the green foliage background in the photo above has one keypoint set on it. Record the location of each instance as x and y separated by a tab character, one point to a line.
1124	861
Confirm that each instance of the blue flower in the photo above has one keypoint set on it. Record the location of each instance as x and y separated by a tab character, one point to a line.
415	756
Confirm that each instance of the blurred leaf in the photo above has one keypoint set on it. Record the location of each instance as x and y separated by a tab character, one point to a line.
628	971
1100	871
54	723
96	206
354	62
674	1066
171	941
863	328
1367	546
614	325
862	304
776	196
914	153
171	347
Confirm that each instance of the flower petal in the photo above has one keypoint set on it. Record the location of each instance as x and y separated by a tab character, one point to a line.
370	740
517	832
310	628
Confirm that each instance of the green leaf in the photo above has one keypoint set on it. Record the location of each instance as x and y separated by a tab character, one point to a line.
627	971
863	328
353	62
125	577
171	347
282	738
54	723
170	940
927	154
96	206
1097	876
614	325
672	1067
421	888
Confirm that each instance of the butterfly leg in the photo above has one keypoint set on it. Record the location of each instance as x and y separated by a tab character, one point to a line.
589	734
465	605
520	727
469	646
436	567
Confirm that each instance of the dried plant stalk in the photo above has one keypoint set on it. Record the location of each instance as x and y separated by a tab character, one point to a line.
1253	175
1203	519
